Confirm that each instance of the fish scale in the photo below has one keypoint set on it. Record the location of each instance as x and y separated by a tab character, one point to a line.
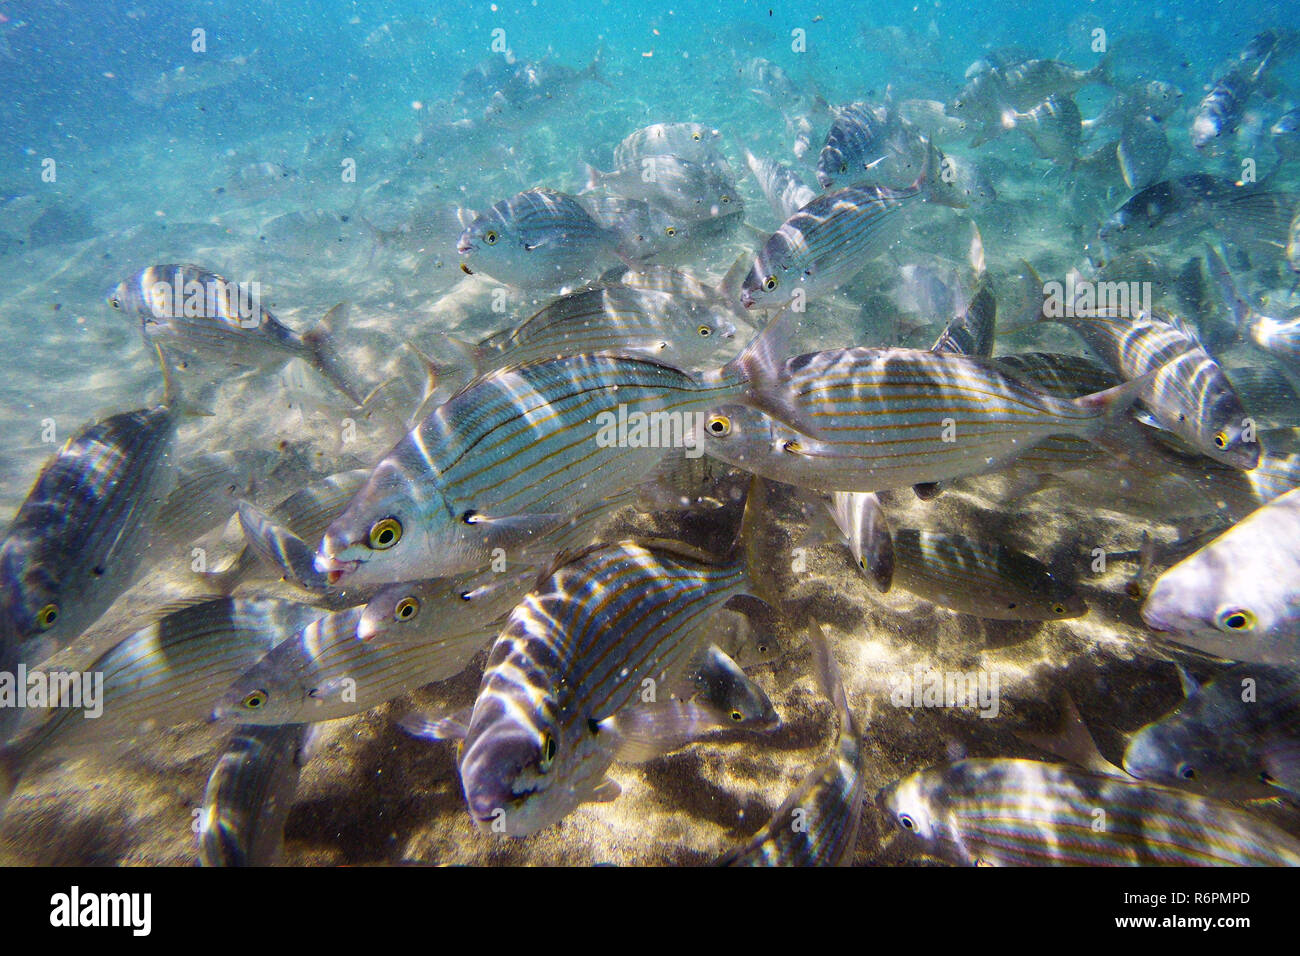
574	653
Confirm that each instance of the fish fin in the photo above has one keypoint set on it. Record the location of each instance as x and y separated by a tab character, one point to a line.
929	490
324	357
760	366
646	732
828	677
172	395
513	531
443	726
593	178
280	549
1073	742
11	769
1114	402
1254	216
1188	683
606	791
730	285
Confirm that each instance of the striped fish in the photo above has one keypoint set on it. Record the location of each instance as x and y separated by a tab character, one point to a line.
537	239
327	671
646	232
1239	596
971	332
823	245
192	311
1189	394
673	328
80	537
612	624
693	142
1236	737
250	793
1028	813
857	143
418	612
889	418
818	823
518	452
983	578
280	549
784	191
681	188
306	514
165	674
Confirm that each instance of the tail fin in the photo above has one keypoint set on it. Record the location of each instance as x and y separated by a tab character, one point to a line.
325	358
172	395
1073	742
1113	402
759	370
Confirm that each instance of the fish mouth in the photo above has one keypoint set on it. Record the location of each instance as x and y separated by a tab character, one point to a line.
334	569
746	299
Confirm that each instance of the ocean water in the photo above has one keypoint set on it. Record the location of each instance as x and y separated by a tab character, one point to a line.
314	149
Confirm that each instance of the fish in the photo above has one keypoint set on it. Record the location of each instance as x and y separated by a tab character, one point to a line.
1236	737
862	521
678	328
679	187
818	823
984	578
1143	151
537	239
644	232
250	793
209	73
494	466
519	92
1189	395
1279	337
882	416
823	245
785	192
1237	597
1286	134
1221	111
189	310
164	674
280	549
855	144
417	612
1054	126
1154	99
1009	812
1175	208
693	142
572	656
325	671
972	331
82	533
988	94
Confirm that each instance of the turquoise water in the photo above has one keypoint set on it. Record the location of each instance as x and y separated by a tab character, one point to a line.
312	148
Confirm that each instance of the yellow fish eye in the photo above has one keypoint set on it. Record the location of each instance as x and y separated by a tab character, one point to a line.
671	230
906	821
737	716
46	616
1220	439
704	331
1235	619
1058	608
406	609
719	425
549	748
770	283
726	199
696	137
385	533
255	701
490	237
115	302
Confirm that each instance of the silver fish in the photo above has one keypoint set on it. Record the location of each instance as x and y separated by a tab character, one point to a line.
538	239
1238	597
1007	812
693	142
1235	737
866	529
1222	109
785	192
1143	151
684	189
574	654
191	311
249	794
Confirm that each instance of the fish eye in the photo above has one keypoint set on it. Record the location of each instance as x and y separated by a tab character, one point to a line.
762	648
490	237
719	425
704	331
1186	771
844	167
1235	619
726	199
255	701
549	748
385	533
792	447
46	616
467	595
770	283
671	231
696	137
1058	608
115	302
1266	777
737	716
406	609
1221	439
470	517
906	822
